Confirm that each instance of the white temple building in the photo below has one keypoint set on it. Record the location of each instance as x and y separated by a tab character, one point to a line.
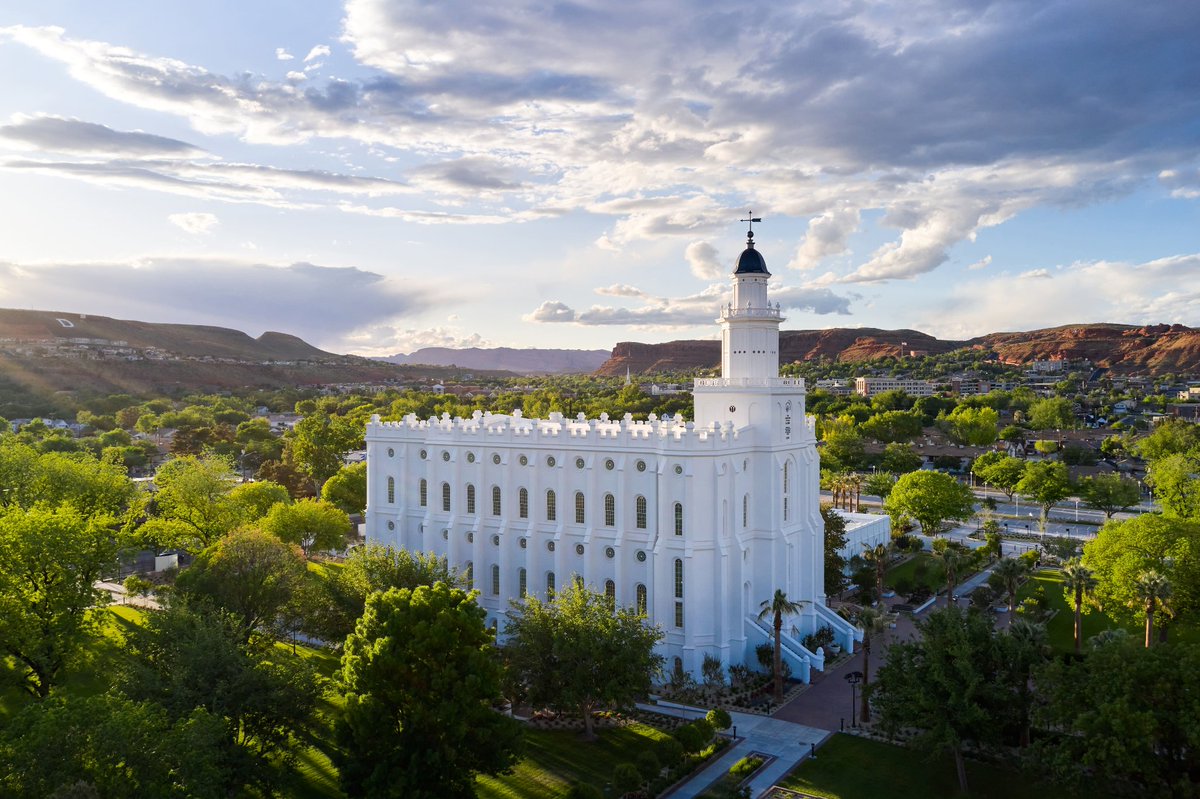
696	523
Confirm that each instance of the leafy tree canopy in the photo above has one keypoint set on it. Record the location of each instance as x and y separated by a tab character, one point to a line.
932	498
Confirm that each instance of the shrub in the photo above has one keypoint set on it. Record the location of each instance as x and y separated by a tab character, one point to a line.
765	654
903	585
713	671
745	767
648	765
626	778
705	729
689	738
719	719
584	790
670	751
740	676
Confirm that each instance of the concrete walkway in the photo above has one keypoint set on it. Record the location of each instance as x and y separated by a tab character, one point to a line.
788	742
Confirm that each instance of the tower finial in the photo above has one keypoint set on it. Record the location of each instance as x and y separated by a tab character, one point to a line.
751	218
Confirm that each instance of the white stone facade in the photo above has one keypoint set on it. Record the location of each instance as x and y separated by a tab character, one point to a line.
697	523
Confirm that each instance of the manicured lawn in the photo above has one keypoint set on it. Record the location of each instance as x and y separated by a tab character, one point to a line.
934	575
856	768
556	759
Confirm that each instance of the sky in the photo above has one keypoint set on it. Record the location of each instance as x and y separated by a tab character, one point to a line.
377	176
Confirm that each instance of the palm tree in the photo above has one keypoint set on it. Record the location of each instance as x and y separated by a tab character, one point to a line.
779	606
872	621
1010	571
877	556
1079	582
1152	588
1032	647
952	560
854	482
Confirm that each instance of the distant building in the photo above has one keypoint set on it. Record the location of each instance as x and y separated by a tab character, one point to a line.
870	386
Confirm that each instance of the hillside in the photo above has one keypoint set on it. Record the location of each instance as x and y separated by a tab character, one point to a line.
521	361
1156	349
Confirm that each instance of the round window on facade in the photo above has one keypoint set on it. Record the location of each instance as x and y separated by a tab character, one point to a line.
445	455
524	543
470	457
579	463
551	462
424	454
495	540
496	458
733	409
579	549
678	469
391	452
610	553
641	556
641	466
550	545
391	525
524	461
608	464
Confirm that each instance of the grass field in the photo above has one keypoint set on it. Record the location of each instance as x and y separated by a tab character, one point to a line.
856	768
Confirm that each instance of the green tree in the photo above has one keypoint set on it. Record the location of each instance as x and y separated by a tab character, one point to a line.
842	450
835	541
1045	483
578	652
974	426
311	523
1172	437
1010	573
1122	551
249	573
1131	718
776	608
1153	589
877	558
50	561
420	674
1052	413
1110	493
119	748
1079	583
891	426
253	501
319	441
950	684
900	458
1004	473
879	484
874	623
931	498
1176	485
190	658
192	502
94	487
348	488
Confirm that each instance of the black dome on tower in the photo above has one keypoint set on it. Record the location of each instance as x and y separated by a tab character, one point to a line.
751	262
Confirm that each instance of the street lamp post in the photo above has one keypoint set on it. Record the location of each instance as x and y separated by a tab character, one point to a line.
854	678
1076	510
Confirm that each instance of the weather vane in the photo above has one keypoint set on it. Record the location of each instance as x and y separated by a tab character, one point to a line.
751	218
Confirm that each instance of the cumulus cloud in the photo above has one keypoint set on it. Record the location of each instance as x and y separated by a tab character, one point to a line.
1035	274
323	305
699	309
1152	292
195	223
317	52
703	259
63	135
827	235
982	263
283	55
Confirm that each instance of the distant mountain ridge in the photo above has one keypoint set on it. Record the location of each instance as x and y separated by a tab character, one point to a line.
1153	349
523	361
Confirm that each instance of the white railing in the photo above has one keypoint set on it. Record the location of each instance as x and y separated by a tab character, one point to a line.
749	382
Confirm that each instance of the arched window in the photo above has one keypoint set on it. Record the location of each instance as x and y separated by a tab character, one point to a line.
580	518
470	498
641	513
678	578
521	583
496	580
446	497
745	510
424	492
679	615
640	593
787	487
495	500
469	576
551	506
391	490
610	510
523	503
678	518
549	584
679	667
610	590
